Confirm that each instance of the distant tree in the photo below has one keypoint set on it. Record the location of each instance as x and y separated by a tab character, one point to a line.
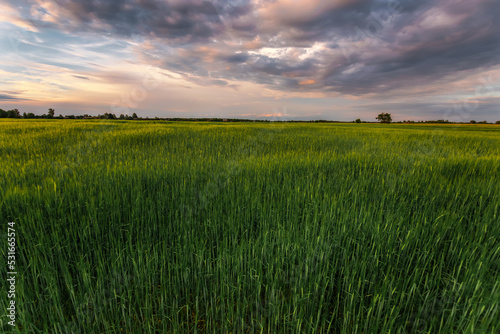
497	122
30	115
24	115
358	120
51	113
482	122
384	118
14	113
3	113
122	116
472	121
107	116
134	116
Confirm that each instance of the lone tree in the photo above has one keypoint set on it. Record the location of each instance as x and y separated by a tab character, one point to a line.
358	120
384	118
51	113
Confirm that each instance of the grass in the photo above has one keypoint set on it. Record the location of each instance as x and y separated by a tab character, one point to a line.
158	227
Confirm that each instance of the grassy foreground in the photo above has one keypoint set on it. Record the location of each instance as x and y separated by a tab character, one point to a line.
144	227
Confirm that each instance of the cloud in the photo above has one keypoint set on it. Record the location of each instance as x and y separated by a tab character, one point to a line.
9	97
435	43
180	21
9	13
351	47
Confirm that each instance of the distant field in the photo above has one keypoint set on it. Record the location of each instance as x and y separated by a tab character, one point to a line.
158	227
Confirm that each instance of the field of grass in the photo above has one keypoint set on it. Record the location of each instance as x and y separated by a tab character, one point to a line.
158	227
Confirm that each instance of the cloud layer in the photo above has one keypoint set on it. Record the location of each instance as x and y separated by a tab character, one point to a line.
347	46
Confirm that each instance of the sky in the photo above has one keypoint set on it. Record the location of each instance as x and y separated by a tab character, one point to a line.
258	59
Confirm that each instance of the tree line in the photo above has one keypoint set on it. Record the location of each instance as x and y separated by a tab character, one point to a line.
15	113
385	118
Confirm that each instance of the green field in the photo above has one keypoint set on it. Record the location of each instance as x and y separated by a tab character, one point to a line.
159	227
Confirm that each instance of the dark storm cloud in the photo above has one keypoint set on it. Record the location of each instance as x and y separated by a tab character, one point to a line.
344	46
183	21
334	20
426	55
7	97
237	58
